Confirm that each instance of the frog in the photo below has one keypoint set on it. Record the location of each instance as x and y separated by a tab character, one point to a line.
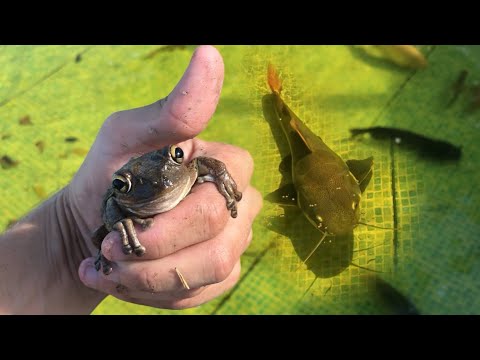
154	183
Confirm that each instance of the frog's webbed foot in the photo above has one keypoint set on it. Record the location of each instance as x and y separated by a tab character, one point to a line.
102	262
213	170
129	236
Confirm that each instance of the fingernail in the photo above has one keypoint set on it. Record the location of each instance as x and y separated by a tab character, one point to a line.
89	274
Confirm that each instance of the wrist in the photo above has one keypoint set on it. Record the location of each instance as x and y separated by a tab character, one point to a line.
41	255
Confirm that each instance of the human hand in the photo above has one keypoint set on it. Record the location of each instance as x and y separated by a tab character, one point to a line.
198	236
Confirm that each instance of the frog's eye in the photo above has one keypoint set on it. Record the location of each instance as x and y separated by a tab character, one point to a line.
177	154
121	183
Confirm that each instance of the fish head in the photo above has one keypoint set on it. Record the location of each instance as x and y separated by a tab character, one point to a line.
328	195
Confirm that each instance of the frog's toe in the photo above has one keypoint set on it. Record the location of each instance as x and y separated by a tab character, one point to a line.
147	223
106	265
102	262
139	250
238	195
107	269
127	249
97	263
232	206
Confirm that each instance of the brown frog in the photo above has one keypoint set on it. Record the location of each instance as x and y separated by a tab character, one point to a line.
151	184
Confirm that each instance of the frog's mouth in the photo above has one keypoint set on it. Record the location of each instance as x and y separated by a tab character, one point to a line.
156	205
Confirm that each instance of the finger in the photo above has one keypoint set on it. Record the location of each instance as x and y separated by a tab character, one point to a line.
179	300
199	217
184	227
202	264
180	116
210	292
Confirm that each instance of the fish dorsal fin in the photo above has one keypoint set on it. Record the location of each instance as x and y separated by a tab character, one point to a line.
312	142
362	170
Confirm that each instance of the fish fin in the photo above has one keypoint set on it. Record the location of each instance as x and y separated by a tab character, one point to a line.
362	170
286	196
279	224
312	141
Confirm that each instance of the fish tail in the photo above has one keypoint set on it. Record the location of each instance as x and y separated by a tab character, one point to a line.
273	79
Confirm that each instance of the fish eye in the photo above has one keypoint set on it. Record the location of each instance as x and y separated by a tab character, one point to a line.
121	183
177	154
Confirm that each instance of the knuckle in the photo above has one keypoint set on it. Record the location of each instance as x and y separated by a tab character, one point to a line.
146	281
212	215
215	216
113	118
223	262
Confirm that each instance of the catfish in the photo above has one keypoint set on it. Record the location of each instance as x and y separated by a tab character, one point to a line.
429	148
325	188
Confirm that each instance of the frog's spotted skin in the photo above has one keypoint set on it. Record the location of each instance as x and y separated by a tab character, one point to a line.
151	184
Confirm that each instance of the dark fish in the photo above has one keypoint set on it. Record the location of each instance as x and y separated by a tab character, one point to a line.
7	162
6	136
426	147
78	58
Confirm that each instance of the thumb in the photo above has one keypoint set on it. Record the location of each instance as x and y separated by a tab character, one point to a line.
182	115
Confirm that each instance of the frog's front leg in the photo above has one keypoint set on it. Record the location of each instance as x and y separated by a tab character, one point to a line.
213	170
130	242
117	220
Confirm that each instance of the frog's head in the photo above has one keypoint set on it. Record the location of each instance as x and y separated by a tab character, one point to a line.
153	178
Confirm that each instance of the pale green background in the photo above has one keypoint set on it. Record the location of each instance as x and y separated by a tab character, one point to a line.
332	88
